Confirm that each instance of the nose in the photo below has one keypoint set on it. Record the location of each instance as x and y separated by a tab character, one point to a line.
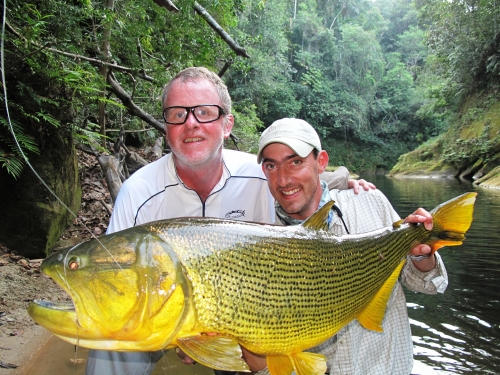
283	176
191	121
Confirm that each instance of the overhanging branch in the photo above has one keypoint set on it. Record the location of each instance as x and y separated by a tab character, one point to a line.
80	57
125	98
240	51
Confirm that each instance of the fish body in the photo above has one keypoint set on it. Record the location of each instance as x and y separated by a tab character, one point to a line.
274	290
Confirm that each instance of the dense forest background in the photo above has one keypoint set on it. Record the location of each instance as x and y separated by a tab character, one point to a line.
375	78
410	87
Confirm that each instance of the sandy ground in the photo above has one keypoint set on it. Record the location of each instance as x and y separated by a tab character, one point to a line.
20	337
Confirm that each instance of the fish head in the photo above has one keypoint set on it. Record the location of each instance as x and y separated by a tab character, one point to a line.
126	288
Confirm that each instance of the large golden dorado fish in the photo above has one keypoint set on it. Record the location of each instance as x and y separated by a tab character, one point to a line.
274	290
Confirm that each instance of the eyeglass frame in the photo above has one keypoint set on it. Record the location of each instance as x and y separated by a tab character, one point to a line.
189	110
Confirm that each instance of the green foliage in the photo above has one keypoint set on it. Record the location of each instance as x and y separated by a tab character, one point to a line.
382	76
465	35
246	127
460	152
11	157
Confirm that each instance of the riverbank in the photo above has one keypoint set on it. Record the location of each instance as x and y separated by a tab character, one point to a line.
489	181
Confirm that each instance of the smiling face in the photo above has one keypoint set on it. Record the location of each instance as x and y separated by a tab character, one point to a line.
194	144
293	180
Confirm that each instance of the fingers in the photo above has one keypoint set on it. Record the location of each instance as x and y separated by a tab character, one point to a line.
357	184
187	360
425	263
420	249
366	185
420	216
254	361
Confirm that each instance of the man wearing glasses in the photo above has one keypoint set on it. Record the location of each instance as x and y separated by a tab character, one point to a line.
198	178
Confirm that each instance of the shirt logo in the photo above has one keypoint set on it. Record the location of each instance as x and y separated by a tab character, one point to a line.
235	214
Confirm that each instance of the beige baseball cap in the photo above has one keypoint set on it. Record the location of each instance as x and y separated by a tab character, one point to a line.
295	133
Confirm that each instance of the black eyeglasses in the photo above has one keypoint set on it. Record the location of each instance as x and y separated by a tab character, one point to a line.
202	113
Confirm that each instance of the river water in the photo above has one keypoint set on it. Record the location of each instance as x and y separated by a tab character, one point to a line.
457	332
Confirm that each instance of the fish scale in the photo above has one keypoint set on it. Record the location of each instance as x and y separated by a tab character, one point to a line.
209	285
291	298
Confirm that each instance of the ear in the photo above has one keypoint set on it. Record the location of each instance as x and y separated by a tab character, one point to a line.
263	169
323	159
228	125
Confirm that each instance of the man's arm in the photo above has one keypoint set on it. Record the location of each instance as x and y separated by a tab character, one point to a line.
339	179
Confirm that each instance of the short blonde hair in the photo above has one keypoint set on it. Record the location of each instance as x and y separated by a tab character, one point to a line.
194	74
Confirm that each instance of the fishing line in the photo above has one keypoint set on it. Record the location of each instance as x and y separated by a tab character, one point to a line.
4	84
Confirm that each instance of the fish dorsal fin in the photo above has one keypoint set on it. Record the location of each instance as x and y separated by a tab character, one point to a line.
319	219
372	315
306	363
279	365
218	352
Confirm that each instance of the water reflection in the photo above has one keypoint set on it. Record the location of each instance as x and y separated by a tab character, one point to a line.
457	332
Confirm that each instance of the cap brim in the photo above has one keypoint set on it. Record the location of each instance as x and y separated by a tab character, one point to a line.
301	148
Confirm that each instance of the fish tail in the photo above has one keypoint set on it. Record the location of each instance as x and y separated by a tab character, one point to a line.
452	219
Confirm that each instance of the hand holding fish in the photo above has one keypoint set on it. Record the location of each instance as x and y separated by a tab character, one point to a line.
420	251
187	360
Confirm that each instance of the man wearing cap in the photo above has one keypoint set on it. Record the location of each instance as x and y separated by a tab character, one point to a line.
292	160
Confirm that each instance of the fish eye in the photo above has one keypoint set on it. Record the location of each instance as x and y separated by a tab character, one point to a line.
74	263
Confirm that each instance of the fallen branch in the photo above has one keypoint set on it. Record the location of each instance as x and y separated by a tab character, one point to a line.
225	67
7	365
106	206
129	131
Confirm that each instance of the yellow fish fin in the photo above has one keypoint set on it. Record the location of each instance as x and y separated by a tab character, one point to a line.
453	218
306	363
217	352
372	315
319	219
279	365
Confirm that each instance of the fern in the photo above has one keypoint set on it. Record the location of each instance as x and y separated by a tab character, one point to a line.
90	136
12	163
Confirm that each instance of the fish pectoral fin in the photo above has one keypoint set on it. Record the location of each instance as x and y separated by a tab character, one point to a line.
372	315
217	352
306	363
279	365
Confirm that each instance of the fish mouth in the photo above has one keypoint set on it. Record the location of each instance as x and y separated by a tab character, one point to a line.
59	305
58	317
